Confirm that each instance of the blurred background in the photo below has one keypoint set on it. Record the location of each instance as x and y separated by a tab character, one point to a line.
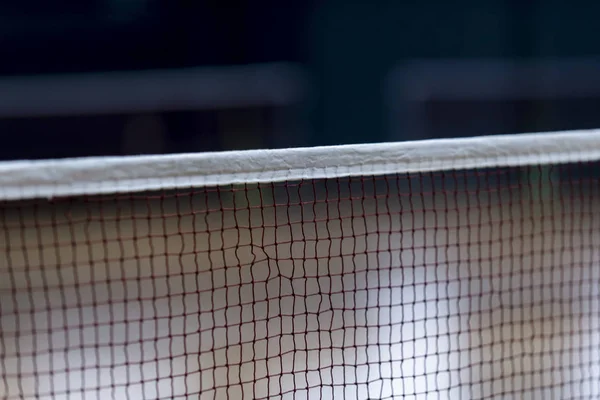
111	77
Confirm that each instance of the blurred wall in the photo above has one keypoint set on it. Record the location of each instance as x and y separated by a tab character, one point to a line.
347	50
355	44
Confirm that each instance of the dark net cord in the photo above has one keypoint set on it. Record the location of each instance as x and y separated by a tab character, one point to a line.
479	284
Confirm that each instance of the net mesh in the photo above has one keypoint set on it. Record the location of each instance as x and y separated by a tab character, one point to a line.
473	284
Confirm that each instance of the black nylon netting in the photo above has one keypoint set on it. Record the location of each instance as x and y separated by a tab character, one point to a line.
445	285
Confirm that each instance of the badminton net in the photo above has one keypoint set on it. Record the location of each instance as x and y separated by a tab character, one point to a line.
445	269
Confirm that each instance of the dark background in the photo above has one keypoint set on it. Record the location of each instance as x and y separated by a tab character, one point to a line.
349	54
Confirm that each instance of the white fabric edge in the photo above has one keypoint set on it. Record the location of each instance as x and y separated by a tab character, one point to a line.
105	175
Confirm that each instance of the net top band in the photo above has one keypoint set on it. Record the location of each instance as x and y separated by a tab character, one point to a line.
106	175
